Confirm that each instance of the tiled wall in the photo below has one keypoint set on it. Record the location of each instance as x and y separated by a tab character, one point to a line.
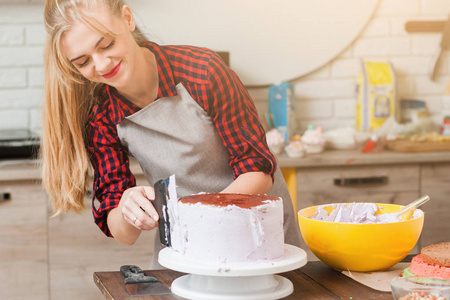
325	97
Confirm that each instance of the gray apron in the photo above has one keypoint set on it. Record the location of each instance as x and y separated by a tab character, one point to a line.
175	135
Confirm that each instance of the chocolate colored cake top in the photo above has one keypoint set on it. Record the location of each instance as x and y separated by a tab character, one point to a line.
437	254
224	199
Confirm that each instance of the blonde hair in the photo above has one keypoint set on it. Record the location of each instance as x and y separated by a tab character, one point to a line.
68	99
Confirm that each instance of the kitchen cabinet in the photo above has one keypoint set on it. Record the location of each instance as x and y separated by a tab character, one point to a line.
435	182
44	257
77	249
379	184
23	241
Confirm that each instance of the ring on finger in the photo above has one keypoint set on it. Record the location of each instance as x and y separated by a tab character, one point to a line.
135	219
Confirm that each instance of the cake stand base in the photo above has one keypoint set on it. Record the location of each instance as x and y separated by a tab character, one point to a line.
233	281
202	287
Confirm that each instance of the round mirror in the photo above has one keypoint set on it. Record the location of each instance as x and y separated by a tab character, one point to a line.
268	41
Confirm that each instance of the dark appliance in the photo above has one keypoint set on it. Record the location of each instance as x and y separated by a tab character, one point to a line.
18	143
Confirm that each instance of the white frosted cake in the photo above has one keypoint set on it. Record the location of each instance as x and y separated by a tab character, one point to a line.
227	228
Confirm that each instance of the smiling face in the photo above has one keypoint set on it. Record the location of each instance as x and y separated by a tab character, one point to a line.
99	57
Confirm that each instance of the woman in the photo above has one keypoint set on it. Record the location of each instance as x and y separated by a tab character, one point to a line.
176	109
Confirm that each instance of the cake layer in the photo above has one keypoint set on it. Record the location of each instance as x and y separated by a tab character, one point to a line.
424	280
437	254
224	199
228	228
420	268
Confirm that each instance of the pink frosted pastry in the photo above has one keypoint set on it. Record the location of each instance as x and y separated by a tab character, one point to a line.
275	141
313	139
295	149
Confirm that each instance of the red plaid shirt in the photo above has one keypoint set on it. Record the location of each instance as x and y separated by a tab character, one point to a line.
213	85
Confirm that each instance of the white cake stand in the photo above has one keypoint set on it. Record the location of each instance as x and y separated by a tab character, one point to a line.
243	281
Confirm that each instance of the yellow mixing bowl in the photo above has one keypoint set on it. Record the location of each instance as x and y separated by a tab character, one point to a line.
360	247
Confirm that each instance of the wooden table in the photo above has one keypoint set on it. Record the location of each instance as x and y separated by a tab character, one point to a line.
315	280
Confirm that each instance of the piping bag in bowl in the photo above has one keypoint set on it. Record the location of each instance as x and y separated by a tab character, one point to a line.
165	191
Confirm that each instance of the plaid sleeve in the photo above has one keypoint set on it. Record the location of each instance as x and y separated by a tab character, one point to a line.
112	174
236	119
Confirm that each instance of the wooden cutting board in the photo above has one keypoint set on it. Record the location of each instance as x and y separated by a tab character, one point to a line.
409	146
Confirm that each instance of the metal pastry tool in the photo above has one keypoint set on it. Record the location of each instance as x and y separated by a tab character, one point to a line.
160	203
137	284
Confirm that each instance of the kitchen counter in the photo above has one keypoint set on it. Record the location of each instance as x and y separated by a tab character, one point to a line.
354	157
29	169
19	169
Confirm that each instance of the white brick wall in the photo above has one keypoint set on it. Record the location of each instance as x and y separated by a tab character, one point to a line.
21	64
325	97
11	35
13	78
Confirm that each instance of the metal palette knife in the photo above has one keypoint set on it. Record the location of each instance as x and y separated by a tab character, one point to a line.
138	284
160	203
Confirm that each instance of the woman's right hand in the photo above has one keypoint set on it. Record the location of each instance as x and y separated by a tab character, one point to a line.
137	209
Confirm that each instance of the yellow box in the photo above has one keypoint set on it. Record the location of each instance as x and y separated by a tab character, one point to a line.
377	95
